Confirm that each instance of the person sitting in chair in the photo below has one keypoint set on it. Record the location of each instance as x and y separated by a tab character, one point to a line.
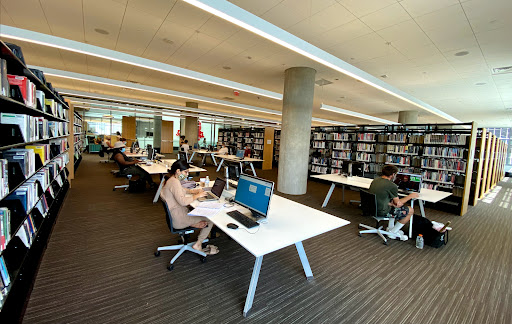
248	151
386	193
185	147
175	196
128	165
224	149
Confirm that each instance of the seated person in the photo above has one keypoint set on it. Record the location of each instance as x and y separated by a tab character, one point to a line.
248	151
185	147
106	143
177	200
224	149
386	193
128	165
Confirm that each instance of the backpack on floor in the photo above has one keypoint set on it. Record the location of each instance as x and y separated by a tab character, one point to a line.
431	237
138	185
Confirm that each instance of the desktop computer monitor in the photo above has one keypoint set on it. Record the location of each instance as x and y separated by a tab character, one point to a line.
344	168
195	146
357	169
408	181
233	171
254	193
151	153
240	154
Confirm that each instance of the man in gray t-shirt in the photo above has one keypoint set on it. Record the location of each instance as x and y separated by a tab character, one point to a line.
386	193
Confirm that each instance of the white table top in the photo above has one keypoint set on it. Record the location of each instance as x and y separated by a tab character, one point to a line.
288	222
161	168
233	158
140	154
425	194
201	151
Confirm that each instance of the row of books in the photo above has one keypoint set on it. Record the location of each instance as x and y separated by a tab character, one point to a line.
319	136
444	164
370	137
337	163
400	160
322	161
4	180
438	176
365	147
258	147
342	146
318	169
35	128
452	152
400	137
5	280
344	155
318	144
445	139
401	149
342	137
364	157
258	141
5	227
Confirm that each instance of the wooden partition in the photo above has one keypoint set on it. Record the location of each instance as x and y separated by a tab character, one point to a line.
485	172
268	149
129	129
167	133
469	170
490	163
71	142
481	144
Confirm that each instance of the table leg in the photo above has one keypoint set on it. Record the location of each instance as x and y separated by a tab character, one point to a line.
159	189
253	171
204	159
304	259
220	164
329	193
252	285
213	159
422	209
191	157
343	193
241	168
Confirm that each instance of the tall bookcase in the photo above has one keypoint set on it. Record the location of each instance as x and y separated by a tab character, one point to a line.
277	144
239	137
78	138
441	153
34	148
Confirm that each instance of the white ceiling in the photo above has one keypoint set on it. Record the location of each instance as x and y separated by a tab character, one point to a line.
412	42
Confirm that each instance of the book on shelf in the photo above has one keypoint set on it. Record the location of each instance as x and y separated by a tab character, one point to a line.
4	180
27	88
43	150
4	274
5	227
24	157
4	81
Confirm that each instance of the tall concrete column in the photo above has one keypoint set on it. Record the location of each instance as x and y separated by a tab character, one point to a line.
408	117
299	90
157	132
191	127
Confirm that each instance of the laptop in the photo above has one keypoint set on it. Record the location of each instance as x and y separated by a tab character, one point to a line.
240	154
216	191
408	182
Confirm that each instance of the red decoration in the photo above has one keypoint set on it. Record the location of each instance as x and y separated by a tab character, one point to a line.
178	133
236	93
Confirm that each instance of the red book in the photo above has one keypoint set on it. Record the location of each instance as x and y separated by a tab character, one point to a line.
21	82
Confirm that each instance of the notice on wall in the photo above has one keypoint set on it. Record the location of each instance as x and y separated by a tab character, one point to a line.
269	141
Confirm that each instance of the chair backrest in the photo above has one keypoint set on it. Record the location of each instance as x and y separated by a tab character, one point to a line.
368	203
168	217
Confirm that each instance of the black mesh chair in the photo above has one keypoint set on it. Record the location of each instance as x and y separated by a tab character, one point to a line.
183	233
369	207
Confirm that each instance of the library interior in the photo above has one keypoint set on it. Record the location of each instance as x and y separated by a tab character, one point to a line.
154	152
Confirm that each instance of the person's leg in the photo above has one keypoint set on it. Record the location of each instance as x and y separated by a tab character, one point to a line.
402	215
206	226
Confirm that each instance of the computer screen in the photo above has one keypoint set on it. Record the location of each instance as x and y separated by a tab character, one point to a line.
240	154
195	145
218	187
150	154
254	193
408	181
233	172
357	169
344	168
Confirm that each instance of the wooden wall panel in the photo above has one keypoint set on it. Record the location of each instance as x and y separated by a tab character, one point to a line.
483	184
167	133
129	130
481	145
268	149
492	154
469	170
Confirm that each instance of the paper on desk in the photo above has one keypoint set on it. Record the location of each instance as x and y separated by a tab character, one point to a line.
210	204
205	212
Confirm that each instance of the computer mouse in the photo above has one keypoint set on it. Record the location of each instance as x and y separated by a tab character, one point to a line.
232	226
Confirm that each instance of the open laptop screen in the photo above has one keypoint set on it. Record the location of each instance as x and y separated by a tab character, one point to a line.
408	181
218	187
240	154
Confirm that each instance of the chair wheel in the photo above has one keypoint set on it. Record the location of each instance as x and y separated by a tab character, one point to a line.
157	253
359	226
114	189
385	243
170	267
360	235
203	259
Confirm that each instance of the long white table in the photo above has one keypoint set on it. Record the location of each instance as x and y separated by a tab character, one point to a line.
428	195
204	153
161	168
288	223
234	159
142	154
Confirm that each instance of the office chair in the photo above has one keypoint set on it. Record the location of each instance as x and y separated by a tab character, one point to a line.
128	176
185	246
369	207
105	152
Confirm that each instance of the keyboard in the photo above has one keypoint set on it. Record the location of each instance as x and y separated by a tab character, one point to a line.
242	219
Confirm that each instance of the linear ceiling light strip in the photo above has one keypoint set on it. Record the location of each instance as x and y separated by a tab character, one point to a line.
140	87
87	49
356	114
244	19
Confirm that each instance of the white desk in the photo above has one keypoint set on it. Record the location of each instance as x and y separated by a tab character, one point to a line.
428	195
161	168
288	223
233	158
204	153
142	154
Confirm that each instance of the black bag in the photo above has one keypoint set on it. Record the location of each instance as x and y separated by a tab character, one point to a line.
16	50
39	74
431	237
138	185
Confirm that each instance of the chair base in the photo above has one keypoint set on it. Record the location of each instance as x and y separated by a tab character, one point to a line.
379	231
121	187
181	248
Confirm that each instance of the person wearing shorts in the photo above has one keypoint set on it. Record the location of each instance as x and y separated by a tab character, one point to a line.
386	193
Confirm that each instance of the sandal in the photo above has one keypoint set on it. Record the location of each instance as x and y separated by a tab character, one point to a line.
211	250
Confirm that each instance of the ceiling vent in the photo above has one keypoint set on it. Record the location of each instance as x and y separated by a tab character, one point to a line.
502	70
228	98
323	82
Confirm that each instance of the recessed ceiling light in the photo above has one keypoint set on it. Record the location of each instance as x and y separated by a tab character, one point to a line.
463	53
228	98
384	76
480	83
249	57
101	31
226	67
168	41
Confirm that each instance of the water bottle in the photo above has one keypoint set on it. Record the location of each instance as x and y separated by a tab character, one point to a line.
207	181
419	241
